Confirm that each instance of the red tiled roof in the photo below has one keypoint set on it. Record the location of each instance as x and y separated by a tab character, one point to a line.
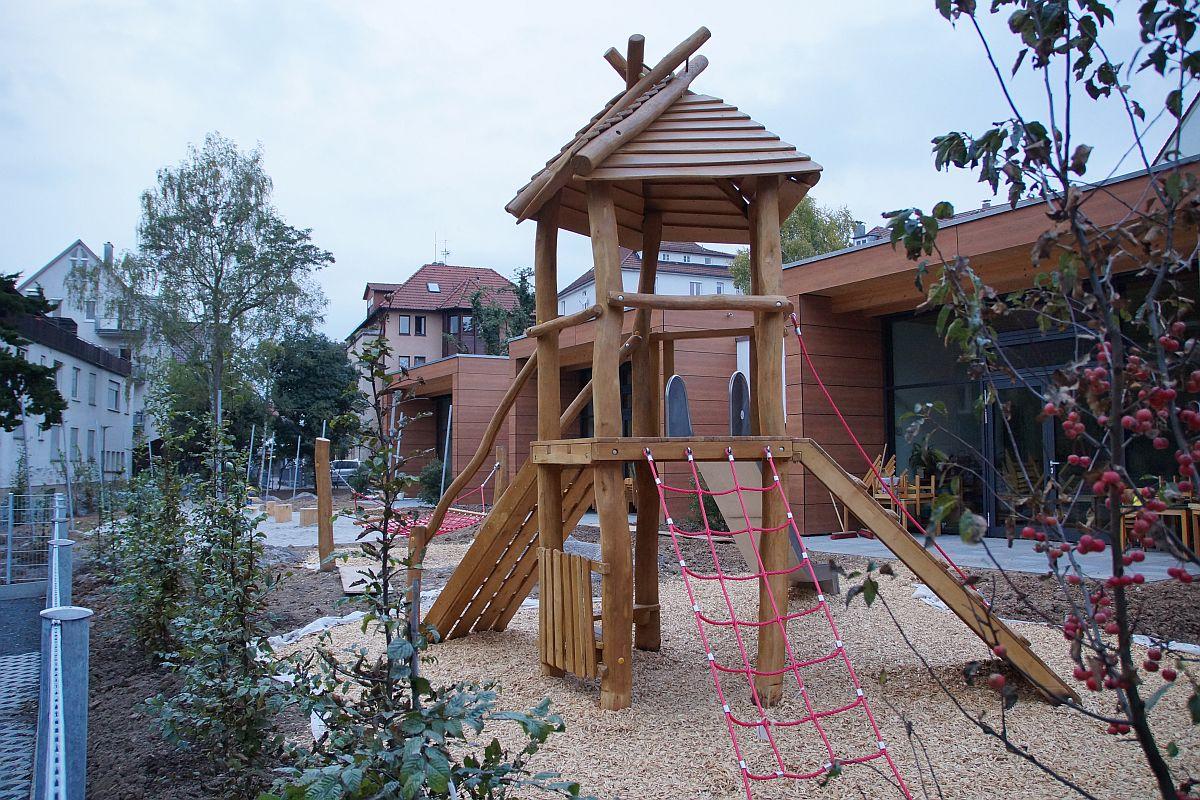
630	260
457	284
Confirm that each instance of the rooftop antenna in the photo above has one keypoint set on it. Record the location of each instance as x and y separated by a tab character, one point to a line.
445	251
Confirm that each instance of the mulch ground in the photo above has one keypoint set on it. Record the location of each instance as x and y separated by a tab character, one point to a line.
127	758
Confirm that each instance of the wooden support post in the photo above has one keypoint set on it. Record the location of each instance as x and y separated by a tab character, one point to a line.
324	505
501	479
549	394
647	409
616	683
773	547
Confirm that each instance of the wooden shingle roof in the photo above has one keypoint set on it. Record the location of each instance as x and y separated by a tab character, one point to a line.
691	157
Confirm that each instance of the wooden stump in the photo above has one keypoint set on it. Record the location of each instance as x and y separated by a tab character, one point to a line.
308	516
283	512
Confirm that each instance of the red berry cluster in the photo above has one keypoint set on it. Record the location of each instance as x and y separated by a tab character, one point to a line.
1180	574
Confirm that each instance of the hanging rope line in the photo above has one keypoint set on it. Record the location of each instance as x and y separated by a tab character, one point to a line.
866	458
459	516
761	758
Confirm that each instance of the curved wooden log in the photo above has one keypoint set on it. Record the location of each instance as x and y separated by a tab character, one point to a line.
601	147
485	445
566	321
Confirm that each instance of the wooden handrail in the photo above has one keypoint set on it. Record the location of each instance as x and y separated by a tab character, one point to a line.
565	321
701	302
705	333
485	444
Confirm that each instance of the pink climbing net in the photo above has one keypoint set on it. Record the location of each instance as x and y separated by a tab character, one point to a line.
755	732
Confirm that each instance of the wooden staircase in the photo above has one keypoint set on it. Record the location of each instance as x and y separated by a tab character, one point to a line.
501	566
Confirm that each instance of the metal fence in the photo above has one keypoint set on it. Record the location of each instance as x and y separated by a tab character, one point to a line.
60	771
28	522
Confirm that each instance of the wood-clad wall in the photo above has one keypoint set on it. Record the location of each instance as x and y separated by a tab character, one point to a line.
848	352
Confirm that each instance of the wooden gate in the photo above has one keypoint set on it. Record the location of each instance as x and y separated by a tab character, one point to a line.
567	623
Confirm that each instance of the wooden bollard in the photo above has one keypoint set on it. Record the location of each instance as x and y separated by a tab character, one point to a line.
283	512
308	516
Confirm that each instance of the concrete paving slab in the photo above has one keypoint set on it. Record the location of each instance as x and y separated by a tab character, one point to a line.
1021	557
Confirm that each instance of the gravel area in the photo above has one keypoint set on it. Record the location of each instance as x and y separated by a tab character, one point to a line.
675	716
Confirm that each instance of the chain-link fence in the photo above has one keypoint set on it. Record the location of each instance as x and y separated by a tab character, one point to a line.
28	522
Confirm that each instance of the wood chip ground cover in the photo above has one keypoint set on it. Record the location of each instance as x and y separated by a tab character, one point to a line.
672	743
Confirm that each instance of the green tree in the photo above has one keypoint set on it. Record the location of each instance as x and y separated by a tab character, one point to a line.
810	230
28	388
312	381
217	269
495	321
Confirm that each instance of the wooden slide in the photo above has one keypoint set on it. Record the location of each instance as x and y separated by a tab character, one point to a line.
501	566
962	600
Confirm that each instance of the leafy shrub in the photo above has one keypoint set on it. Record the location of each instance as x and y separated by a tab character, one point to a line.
228	699
430	482
150	546
390	732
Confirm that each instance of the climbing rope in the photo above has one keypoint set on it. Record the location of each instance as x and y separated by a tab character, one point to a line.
766	728
863	453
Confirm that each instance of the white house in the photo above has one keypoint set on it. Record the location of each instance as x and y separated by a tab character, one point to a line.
97	426
95	313
683	268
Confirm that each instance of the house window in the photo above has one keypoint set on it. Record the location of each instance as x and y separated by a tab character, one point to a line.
433	287
404	362
695	287
91	388
75	382
404	324
720	287
91	445
73	452
418	360
687	259
114	396
58	374
468	324
89	310
79	260
454	324
562	307
419	325
708	260
56	443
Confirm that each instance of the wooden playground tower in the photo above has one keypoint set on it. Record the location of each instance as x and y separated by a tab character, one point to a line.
658	162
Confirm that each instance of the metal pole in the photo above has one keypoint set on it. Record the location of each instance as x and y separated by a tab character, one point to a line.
8	548
296	468
250	460
323	428
271	465
262	461
63	709
59	576
446	450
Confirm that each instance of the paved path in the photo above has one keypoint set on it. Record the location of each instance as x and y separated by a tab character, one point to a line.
20	662
1018	558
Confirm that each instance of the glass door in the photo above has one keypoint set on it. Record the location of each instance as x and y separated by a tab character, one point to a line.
1021	451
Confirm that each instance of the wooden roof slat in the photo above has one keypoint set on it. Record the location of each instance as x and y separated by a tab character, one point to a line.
684	233
698	99
700	159
758	134
691	205
708	125
695	191
723	113
700	148
713	171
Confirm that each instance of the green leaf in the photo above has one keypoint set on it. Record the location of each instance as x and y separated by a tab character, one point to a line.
943	210
1193	705
1172	749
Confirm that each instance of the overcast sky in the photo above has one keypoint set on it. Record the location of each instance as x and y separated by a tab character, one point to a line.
385	124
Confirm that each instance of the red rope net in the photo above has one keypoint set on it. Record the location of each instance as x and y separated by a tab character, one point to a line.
456	519
762	752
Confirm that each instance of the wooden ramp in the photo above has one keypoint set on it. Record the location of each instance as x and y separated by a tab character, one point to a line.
501	566
718	477
962	600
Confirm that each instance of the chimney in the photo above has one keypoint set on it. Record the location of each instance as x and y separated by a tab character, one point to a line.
986	205
860	230
108	253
